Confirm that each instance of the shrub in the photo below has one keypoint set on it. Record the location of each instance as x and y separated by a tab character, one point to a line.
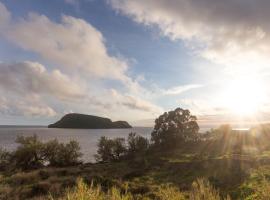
32	153
119	148
68	154
104	152
5	159
51	151
59	154
137	144
29	153
115	149
110	149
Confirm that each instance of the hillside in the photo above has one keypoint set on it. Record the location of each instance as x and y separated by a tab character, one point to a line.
81	121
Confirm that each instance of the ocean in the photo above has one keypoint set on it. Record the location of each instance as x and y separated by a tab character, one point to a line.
87	138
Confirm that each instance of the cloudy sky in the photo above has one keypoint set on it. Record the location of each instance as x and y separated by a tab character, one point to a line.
133	60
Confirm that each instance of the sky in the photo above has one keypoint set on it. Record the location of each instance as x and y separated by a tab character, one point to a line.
133	60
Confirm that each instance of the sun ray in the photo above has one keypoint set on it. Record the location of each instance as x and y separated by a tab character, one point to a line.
243	96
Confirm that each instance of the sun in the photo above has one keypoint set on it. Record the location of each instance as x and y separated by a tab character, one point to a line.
243	96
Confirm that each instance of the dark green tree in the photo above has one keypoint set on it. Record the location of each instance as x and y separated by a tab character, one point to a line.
29	153
119	148
110	149
137	144
60	154
69	154
51	152
105	150
5	159
173	127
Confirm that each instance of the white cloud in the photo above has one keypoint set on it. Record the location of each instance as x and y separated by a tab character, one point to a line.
77	48
135	103
25	107
228	32
30	78
26	110
180	89
73	43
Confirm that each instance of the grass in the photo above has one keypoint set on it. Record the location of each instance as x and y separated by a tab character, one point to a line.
235	177
200	190
241	173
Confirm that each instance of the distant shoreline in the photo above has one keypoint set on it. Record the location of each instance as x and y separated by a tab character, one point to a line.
23	126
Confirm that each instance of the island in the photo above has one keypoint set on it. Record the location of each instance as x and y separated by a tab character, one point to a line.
82	121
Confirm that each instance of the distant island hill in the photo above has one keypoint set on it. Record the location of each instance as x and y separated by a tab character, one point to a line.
81	121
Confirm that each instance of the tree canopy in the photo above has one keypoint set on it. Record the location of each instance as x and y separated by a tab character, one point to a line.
173	127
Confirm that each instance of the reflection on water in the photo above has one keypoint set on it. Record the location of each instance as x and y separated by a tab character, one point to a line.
87	138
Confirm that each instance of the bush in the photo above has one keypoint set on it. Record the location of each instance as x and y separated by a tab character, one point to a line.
5	159
51	151
115	149
29	153
119	148
110	149
137	144
59	154
32	153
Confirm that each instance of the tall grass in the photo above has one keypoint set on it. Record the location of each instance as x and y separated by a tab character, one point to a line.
84	192
201	190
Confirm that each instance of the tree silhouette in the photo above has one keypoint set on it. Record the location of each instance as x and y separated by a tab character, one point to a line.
173	127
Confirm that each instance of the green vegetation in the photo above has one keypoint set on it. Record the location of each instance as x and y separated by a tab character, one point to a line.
220	164
174	127
201	189
32	154
116	149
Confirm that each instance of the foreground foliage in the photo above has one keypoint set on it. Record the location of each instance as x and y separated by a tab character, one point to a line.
233	163
32	153
201	190
110	150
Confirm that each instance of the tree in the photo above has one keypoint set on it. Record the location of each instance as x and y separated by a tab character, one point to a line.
173	127
51	152
32	153
5	159
29	152
119	148
104	152
69	153
59	154
137	143
110	149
